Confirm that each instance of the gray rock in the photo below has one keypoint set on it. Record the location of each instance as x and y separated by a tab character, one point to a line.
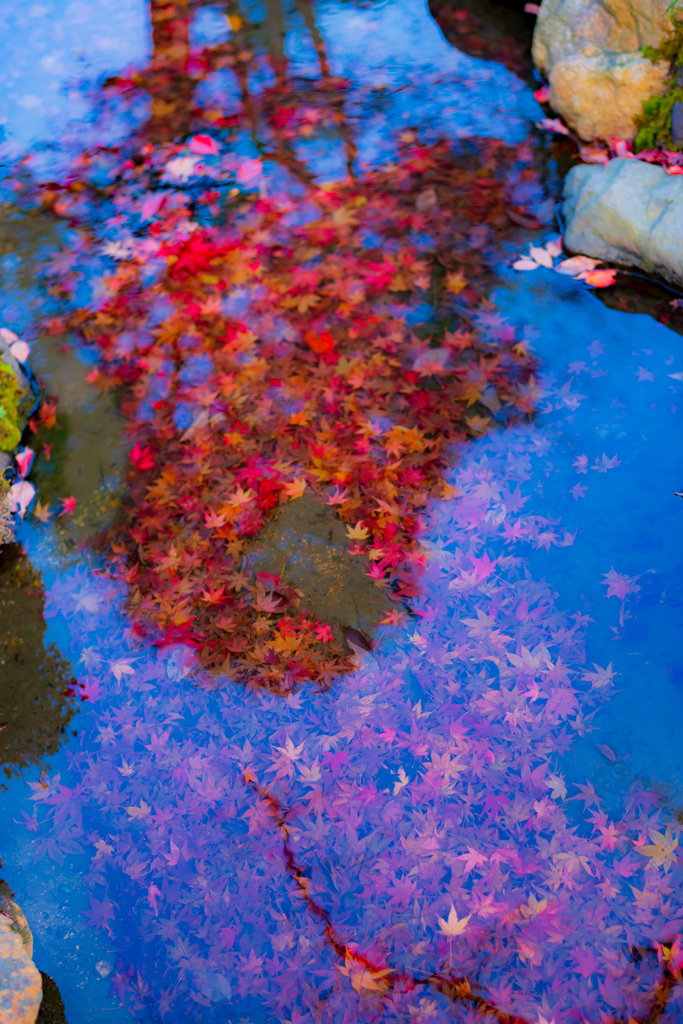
590	52
627	212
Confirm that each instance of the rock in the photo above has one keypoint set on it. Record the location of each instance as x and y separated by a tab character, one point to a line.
589	50
15	413
627	212
21	987
677	123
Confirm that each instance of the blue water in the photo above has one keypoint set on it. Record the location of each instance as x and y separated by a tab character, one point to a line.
600	465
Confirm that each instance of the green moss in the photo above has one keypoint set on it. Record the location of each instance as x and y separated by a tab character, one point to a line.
654	126
11	395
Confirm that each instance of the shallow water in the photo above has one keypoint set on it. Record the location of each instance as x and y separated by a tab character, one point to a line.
151	822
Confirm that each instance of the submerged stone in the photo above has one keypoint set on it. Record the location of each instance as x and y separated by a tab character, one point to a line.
626	212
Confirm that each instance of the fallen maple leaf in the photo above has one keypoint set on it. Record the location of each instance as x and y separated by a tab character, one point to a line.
601	678
338	496
453	925
138	813
357	532
553	125
599	278
455	283
241	497
42	512
319	343
121	668
663	849
142	458
295	488
68	505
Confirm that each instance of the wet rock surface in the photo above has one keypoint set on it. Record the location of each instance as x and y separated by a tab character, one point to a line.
627	212
21	987
590	52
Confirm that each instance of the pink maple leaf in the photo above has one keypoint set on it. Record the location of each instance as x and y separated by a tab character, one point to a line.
473	859
619	585
68	505
483	566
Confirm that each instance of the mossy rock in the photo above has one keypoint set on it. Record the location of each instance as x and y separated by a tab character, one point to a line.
16	399
654	127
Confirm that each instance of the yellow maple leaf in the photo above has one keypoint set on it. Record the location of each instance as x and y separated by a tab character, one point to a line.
662	850
454	925
42	512
284	644
241	497
301	302
295	488
455	283
478	424
363	979
357	532
139	812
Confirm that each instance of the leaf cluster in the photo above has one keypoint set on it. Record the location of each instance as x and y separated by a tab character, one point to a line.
320	385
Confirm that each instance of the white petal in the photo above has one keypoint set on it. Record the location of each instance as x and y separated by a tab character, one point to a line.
541	256
525	264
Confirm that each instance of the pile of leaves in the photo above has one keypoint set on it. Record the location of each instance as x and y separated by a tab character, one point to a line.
270	354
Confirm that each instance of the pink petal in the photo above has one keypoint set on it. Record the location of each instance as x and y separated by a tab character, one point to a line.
152	205
203	144
554	247
525	264
541	256
577	265
21	495
24	461
553	125
20	351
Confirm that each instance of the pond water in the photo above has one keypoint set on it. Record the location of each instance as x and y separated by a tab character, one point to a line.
352	850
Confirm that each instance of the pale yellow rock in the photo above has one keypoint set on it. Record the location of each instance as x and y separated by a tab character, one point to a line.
21	986
590	52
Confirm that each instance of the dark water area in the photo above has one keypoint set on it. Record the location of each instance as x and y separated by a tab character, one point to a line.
340	671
